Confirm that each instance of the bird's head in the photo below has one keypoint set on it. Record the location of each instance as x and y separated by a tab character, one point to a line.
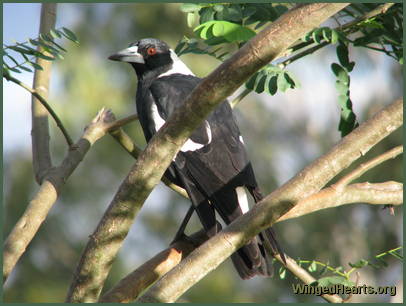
148	54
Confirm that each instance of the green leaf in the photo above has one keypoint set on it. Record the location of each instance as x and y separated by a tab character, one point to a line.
340	73
334	37
316	35
332	280
282	272
232	13
312	267
251	82
43	56
271	84
206	14
294	83
229	31
359	264
70	35
282	83
36	66
25	68
21	50
260	83
342	54
14	70
326	34
342	88
55	34
191	19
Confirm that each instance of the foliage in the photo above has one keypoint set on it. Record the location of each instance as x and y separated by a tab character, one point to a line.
339	275
222	27
49	50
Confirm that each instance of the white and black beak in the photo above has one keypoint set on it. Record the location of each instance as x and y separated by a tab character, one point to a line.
129	55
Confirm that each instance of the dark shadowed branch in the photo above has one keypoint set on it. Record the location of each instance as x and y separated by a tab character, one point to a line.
107	239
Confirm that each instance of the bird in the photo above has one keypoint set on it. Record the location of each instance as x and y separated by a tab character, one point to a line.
212	165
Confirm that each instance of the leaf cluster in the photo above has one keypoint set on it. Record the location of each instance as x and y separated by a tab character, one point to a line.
44	47
226	26
338	274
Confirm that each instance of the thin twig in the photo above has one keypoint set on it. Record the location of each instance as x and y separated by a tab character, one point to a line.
44	102
305	277
127	144
121	122
361	169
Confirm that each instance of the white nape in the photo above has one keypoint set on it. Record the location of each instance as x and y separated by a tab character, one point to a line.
242	199
177	67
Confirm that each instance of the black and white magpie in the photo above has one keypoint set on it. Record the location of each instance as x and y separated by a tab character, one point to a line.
212	165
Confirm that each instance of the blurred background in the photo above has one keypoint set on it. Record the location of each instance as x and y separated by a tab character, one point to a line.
283	133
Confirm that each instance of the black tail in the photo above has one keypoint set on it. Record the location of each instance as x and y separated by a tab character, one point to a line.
255	258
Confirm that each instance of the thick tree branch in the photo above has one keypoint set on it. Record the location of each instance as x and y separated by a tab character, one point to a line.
310	180
105	242
378	193
42	202
41	155
131	286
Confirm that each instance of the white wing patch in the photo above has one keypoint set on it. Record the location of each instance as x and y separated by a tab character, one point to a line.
241	140
156	117
190	145
177	67
242	199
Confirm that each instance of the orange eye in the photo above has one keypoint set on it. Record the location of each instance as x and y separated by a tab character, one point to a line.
151	51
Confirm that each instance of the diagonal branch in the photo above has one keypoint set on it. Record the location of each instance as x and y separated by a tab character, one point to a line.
130	287
107	239
41	155
310	180
367	166
38	208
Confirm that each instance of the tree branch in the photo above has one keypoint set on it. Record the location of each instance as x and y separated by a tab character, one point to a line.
105	242
42	202
44	103
310	180
367	166
131	286
378	193
127	144
41	155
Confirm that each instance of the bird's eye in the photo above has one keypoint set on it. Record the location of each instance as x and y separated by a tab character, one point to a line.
151	51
